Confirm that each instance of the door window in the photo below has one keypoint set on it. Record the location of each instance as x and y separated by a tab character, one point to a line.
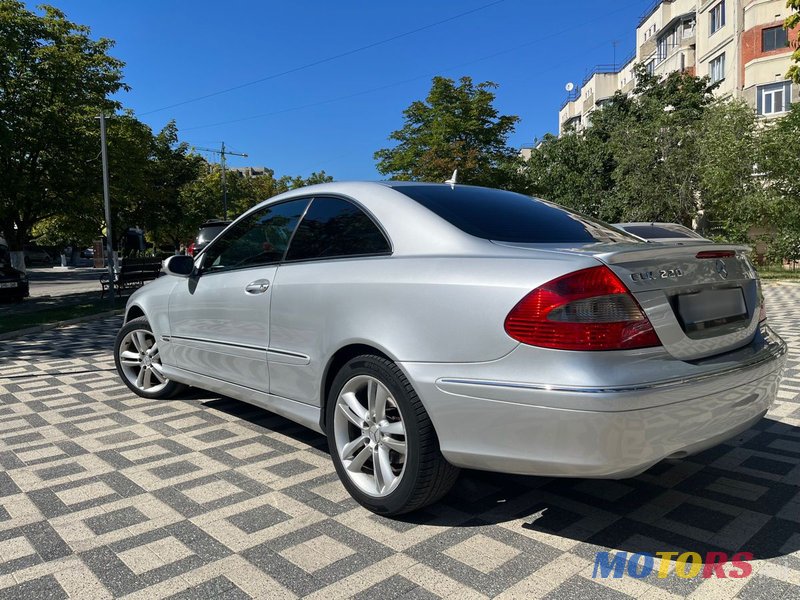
334	227
261	238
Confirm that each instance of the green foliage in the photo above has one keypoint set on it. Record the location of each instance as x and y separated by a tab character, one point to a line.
779	161
455	127
201	199
793	21
668	152
54	81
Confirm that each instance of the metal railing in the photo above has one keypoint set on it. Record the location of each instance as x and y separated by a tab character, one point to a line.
650	10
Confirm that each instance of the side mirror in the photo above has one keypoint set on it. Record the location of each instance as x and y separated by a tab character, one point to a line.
179	265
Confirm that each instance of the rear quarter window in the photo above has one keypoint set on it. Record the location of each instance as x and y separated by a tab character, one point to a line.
510	217
334	227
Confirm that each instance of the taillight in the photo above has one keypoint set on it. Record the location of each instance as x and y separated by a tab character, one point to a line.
715	254
589	309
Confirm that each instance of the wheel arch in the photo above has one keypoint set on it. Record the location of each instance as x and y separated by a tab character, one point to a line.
134	312
337	360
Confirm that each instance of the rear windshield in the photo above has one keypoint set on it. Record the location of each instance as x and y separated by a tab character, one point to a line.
510	217
654	232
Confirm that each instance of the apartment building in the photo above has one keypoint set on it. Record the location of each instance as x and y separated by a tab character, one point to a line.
740	44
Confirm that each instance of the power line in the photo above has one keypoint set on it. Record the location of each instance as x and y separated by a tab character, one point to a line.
325	60
409	80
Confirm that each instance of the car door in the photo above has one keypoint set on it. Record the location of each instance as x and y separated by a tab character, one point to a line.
219	319
335	249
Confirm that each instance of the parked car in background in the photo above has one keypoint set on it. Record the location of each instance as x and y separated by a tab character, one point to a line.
207	232
36	256
669	233
14	285
87	252
427	327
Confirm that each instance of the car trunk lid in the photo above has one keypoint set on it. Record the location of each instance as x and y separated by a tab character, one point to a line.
701	299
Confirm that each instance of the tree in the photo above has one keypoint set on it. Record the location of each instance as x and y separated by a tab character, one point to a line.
201	199
455	127
638	158
793	21
170	168
54	81
779	161
573	170
653	138
733	198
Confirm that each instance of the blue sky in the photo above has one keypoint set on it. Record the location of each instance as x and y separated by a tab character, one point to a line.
176	50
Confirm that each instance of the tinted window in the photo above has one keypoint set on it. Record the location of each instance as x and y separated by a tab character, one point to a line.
509	217
336	227
654	232
259	239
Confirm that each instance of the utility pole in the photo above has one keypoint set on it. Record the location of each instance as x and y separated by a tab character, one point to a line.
107	202
222	154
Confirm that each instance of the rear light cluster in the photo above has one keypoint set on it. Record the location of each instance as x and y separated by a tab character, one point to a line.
715	254
589	309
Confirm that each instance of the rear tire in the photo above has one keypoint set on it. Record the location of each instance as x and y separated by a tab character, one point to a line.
138	361
382	441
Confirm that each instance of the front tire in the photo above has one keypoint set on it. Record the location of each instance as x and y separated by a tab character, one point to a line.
138	361
382	441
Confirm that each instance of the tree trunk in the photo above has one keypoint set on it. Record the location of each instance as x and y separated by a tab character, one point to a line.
18	260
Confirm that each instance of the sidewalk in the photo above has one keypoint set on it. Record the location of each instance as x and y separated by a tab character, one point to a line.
57	295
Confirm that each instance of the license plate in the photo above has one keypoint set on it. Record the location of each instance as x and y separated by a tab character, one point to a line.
711	308
9	284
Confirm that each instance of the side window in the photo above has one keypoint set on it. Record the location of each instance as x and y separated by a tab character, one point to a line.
259	239
335	227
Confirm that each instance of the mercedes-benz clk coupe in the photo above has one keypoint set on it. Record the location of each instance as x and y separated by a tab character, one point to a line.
429	327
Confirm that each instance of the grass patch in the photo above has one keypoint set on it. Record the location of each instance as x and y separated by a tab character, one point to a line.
777	273
48	316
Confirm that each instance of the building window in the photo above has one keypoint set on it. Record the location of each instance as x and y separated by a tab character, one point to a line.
662	49
774	38
718	17
775	98
716	68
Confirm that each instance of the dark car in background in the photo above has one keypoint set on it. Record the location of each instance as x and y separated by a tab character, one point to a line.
13	284
668	233
207	232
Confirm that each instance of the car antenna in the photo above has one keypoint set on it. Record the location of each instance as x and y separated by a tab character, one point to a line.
452	180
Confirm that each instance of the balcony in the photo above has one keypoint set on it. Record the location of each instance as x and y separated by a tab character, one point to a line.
571	97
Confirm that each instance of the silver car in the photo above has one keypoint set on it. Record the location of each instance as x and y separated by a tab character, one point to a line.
428	327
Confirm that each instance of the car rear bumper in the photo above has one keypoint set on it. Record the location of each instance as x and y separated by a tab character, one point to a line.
569	431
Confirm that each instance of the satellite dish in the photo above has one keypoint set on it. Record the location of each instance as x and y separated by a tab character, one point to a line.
570	86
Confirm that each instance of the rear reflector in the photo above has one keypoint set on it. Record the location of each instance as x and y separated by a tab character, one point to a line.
589	309
715	254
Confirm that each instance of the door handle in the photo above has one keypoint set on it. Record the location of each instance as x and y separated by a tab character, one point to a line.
259	286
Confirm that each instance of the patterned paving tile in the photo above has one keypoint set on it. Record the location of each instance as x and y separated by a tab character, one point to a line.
104	494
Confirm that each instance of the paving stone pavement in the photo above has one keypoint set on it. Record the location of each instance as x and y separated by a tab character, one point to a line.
104	494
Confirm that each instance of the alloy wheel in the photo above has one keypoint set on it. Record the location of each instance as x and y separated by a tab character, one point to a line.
370	435
141	362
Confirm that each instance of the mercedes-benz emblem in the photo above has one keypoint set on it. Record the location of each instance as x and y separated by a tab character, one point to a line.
721	269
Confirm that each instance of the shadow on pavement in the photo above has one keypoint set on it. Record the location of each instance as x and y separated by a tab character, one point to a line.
734	497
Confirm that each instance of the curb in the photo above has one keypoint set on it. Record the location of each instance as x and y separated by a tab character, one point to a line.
48	326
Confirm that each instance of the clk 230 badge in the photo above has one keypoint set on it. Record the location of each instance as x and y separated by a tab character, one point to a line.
662	274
